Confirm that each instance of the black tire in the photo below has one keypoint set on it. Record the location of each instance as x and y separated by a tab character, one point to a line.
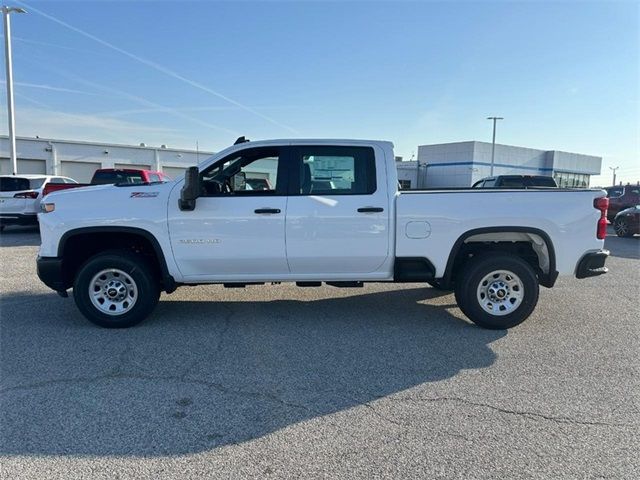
621	227
457	293
437	284
475	272
140	279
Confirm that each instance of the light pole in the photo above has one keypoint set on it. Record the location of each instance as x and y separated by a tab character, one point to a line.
7	55
493	143
614	175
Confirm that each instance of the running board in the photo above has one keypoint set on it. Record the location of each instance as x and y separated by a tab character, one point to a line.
241	285
351	284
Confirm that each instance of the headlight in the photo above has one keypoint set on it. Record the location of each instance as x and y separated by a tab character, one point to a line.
47	207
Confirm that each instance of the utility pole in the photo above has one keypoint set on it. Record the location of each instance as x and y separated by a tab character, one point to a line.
614	175
10	109
493	142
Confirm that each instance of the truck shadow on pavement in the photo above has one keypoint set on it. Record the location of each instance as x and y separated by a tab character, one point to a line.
199	375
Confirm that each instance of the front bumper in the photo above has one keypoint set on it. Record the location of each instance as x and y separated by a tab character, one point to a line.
18	219
51	273
592	264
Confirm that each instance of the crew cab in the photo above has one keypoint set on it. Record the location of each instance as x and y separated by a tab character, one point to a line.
330	212
106	176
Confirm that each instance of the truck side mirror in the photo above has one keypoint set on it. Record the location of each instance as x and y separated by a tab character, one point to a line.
239	181
190	190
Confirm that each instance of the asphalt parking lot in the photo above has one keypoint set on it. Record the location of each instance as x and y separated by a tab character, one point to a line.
386	381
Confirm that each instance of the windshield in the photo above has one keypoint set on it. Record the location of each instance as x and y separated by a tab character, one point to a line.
16	184
106	178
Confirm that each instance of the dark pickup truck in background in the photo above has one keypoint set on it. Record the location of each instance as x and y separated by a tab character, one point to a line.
516	181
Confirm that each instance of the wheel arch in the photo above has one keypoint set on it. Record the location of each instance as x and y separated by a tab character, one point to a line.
548	273
95	239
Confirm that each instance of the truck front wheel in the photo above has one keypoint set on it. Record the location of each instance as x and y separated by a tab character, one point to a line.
497	291
116	289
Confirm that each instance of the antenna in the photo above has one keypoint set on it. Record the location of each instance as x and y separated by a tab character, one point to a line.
197	153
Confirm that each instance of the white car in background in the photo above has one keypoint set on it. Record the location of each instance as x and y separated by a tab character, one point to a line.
20	197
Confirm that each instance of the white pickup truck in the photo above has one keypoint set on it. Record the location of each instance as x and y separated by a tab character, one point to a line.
312	211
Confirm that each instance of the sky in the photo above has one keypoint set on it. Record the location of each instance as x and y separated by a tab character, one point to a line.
564	75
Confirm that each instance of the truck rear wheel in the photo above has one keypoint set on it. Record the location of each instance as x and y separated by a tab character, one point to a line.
116	289
497	291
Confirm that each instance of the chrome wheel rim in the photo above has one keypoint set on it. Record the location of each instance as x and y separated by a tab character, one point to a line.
500	292
621	227
113	292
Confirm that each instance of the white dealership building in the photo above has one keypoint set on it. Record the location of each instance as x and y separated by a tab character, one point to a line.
78	160
461	164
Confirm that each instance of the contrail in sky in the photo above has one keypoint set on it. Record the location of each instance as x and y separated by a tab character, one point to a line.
156	66
52	88
141	100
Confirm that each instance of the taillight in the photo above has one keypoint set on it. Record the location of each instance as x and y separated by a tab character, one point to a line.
26	195
602	204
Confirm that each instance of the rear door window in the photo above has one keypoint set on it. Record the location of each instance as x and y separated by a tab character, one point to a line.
542	182
511	182
36	183
335	170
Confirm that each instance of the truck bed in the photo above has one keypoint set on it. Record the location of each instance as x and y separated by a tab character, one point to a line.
430	221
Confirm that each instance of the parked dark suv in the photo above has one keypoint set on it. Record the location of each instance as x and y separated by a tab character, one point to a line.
516	181
622	197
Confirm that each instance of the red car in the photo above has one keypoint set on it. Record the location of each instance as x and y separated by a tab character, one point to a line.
627	222
106	176
622	197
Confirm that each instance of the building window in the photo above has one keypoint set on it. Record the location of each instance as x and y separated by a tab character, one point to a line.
571	180
405	184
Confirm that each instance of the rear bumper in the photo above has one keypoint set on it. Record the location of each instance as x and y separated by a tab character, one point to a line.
50	272
18	218
592	264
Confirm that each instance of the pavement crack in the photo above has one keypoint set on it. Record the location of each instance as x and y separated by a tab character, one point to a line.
521	413
388	419
219	344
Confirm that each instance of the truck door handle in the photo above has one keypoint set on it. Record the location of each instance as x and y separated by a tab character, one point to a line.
266	210
370	209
